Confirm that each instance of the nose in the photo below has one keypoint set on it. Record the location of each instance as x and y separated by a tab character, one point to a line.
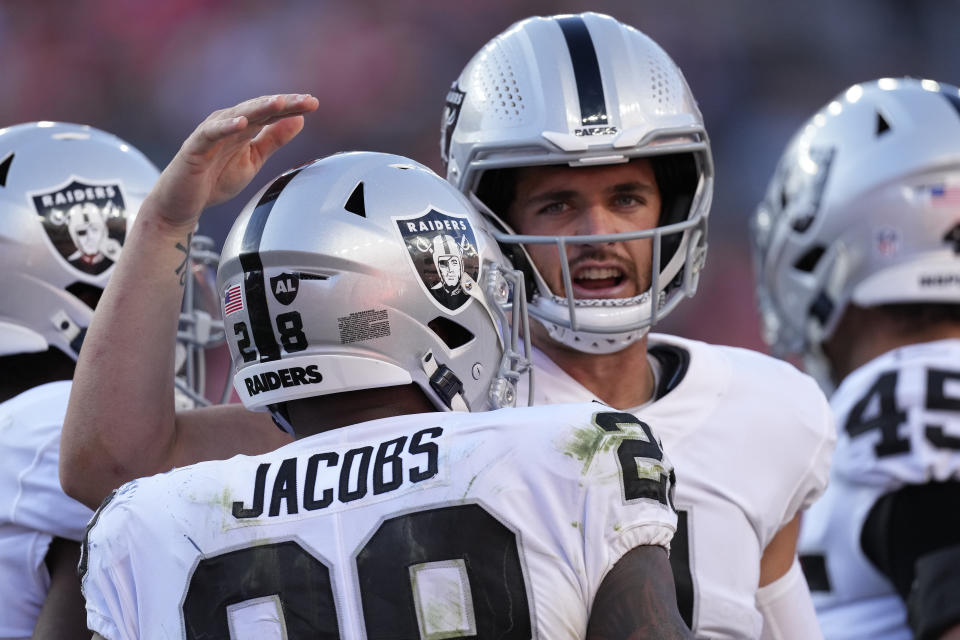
596	219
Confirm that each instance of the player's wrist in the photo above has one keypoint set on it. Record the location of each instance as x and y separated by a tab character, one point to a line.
154	219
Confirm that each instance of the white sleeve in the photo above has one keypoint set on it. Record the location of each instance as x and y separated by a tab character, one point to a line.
629	500
787	608
813	482
106	575
41	504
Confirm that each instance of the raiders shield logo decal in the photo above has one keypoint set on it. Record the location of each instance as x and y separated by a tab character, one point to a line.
443	253
285	287
87	223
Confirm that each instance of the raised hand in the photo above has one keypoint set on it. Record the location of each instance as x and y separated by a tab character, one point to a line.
223	154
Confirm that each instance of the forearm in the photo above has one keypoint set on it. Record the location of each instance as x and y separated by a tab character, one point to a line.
63	615
121	423
637	599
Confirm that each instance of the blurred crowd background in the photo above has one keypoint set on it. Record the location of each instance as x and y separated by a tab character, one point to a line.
150	71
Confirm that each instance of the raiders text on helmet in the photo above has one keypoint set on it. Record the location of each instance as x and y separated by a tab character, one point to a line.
366	270
863	208
585	90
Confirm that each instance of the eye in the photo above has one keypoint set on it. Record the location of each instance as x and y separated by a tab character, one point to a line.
628	200
557	206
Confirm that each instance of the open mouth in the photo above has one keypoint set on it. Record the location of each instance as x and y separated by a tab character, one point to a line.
598	278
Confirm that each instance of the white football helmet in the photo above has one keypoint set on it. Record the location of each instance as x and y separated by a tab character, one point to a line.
67	195
864	208
329	283
586	90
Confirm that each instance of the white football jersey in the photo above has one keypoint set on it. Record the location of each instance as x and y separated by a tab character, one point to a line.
498	524
33	508
891	413
750	438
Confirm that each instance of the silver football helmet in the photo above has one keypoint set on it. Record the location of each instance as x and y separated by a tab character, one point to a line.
863	208
67	195
586	90
330	281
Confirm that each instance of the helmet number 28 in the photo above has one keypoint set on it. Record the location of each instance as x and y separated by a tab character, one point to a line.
289	328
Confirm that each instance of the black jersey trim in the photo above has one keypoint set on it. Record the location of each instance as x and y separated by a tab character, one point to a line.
586	70
674	363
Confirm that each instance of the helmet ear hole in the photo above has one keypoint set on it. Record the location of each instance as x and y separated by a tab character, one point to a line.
452	334
809	260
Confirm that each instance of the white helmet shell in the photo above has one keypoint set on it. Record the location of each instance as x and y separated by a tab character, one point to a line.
67	192
329	284
864	208
585	90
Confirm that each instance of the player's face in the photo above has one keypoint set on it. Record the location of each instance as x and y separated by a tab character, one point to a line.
562	200
449	270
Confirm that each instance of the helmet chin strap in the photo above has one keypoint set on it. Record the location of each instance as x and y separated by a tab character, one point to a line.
444	382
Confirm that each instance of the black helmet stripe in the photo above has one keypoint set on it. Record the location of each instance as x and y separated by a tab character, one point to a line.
254	287
586	70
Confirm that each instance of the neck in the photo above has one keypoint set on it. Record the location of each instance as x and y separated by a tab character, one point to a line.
622	380
310	416
876	337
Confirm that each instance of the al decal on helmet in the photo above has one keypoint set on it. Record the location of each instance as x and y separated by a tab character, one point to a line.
443	253
86	222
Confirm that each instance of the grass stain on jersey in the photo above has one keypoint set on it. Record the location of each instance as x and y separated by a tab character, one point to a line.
587	442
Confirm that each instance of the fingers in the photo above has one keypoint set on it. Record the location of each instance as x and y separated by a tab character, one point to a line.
274	136
265	109
245	121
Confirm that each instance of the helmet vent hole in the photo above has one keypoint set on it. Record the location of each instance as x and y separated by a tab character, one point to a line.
87	293
355	203
4	168
882	125
808	261
452	334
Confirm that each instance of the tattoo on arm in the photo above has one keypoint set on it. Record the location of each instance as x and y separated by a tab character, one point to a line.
182	269
637	599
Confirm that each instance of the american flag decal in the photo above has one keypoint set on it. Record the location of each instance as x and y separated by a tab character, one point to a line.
232	300
942	195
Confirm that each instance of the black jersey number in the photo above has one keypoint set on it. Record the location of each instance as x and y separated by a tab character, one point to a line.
630	450
889	417
466	538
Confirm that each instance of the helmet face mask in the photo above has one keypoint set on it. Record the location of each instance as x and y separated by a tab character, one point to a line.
200	334
583	91
859	212
367	270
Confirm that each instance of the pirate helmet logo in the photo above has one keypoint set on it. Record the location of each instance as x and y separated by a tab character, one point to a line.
87	223
443	253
